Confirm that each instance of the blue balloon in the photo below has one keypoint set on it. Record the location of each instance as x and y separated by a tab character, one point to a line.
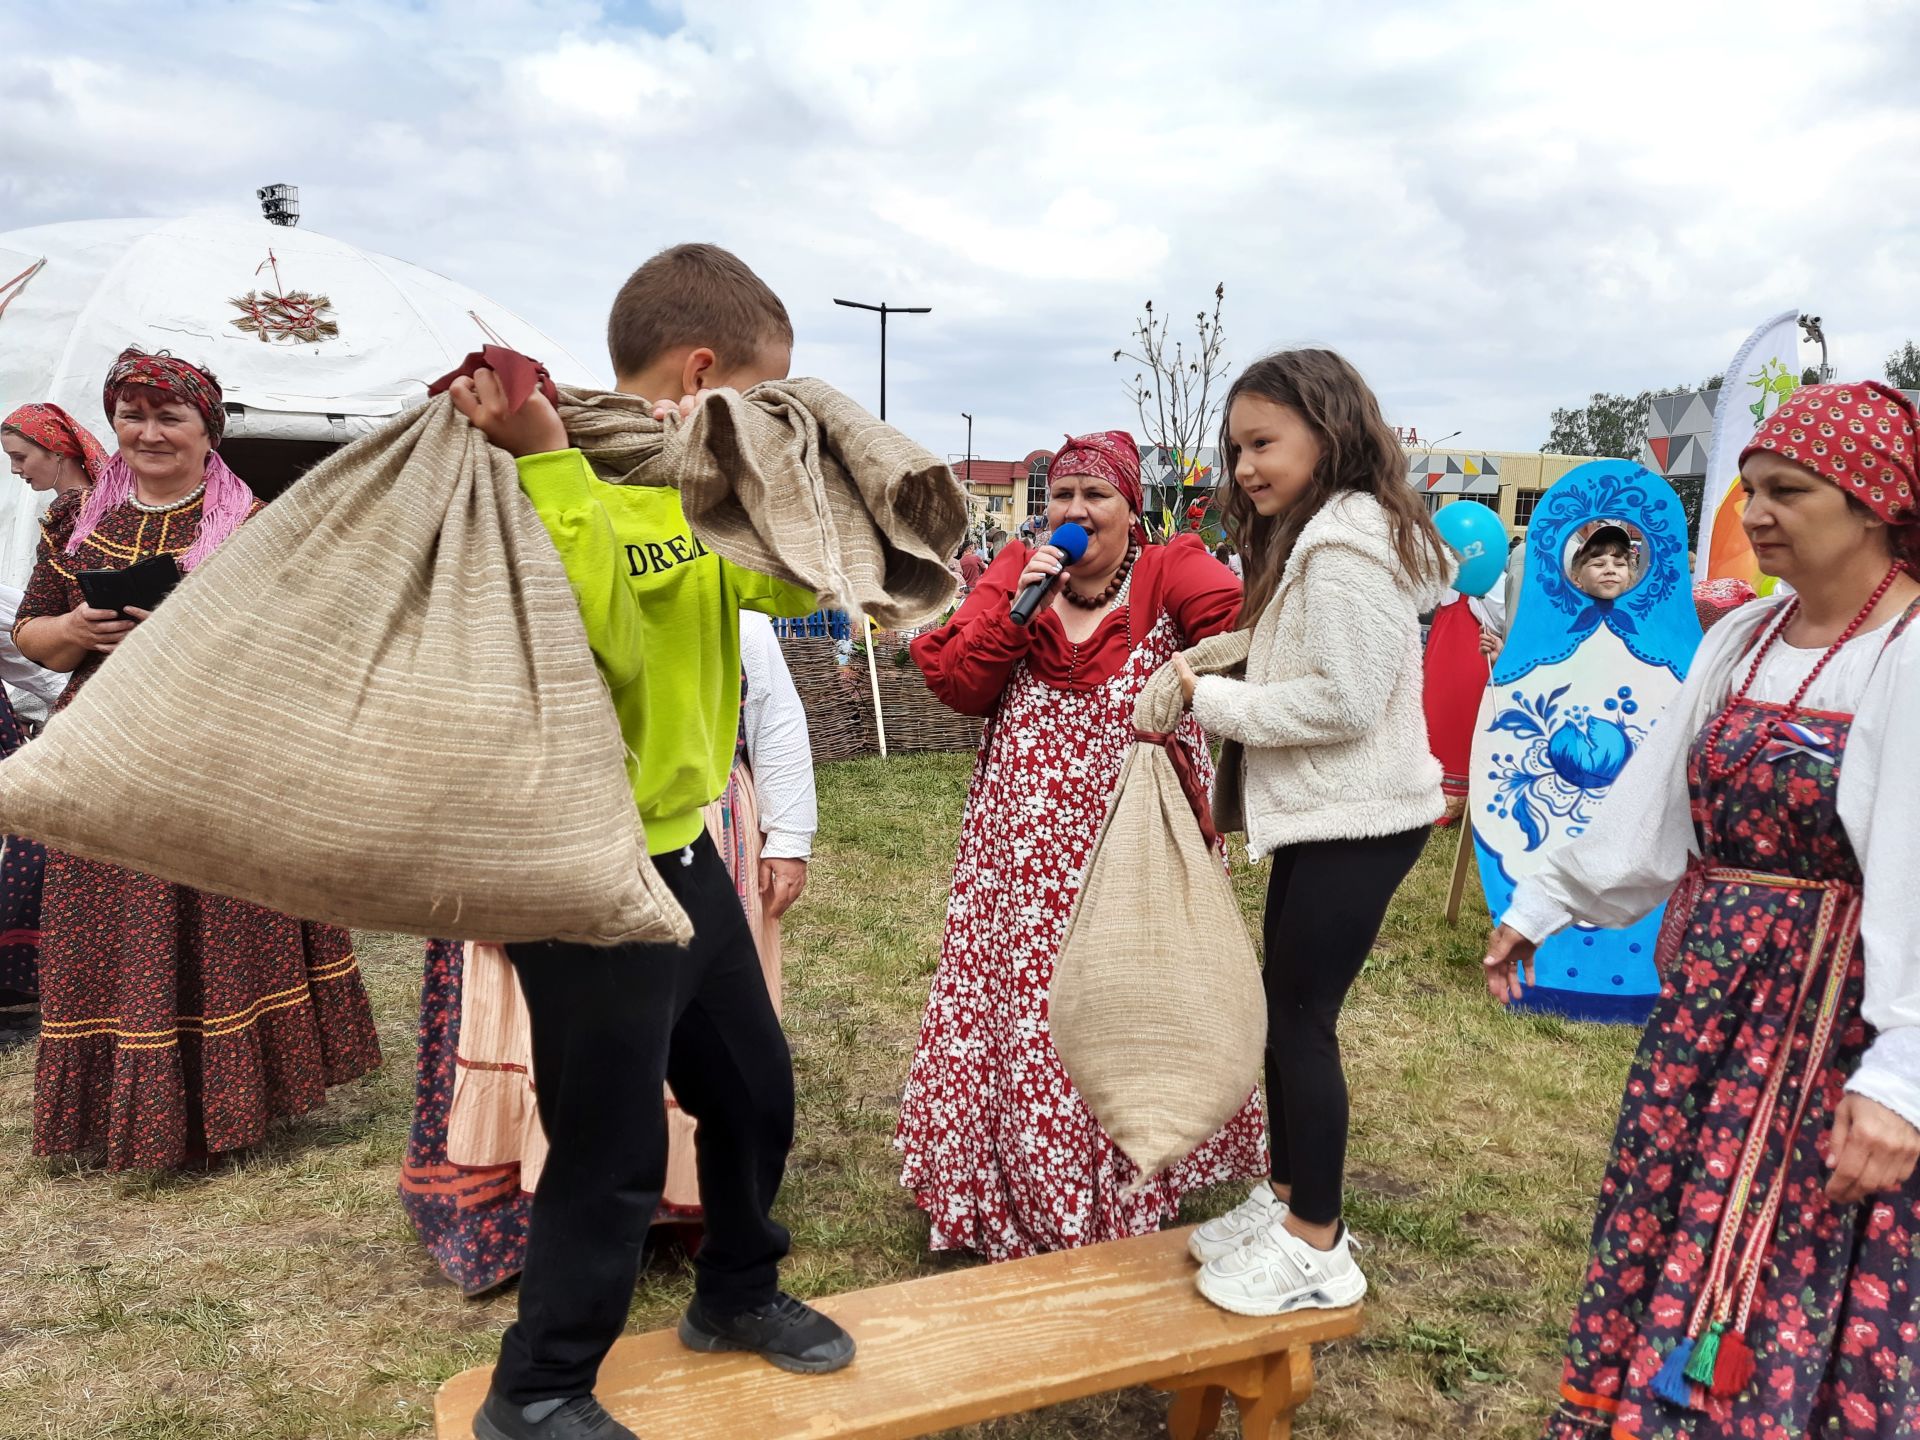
1476	534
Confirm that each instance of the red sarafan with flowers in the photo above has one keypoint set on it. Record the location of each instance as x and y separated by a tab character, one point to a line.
999	1148
1714	1234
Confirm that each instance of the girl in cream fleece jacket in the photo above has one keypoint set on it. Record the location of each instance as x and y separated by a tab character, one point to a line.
1339	786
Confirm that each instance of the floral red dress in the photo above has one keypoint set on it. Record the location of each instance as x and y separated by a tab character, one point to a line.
1759	1015
1000	1150
175	1023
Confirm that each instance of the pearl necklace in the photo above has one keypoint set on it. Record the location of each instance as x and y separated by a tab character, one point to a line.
181	503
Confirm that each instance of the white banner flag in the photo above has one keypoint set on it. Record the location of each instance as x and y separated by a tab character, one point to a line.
1764	372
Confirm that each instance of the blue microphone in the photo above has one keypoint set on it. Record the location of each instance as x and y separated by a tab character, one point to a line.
1071	541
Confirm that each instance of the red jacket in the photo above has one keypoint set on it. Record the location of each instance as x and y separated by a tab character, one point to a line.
968	660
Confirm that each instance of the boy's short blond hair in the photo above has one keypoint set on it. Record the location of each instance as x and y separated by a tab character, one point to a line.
693	295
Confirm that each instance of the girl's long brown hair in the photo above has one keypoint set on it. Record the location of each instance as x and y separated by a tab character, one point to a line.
1358	452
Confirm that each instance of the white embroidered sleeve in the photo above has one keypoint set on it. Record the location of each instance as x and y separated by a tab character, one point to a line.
1640	843
1879	799
777	745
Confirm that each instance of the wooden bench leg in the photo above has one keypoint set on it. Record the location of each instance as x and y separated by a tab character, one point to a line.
1285	1383
1195	1414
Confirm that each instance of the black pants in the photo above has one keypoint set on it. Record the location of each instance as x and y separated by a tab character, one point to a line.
1325	902
610	1024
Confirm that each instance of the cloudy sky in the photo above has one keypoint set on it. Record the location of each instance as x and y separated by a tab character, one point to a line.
1492	208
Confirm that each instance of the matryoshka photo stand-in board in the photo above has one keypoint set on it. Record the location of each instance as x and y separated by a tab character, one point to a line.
1583	677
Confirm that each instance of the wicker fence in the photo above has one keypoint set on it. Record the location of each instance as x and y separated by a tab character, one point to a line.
839	699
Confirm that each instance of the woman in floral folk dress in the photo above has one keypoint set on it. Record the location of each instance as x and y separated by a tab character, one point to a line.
1000	1150
173	1023
1753	1268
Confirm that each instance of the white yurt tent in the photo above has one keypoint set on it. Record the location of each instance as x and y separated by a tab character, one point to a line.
243	297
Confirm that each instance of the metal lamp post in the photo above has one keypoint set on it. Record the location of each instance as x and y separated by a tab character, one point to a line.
968	473
860	619
1810	325
883	310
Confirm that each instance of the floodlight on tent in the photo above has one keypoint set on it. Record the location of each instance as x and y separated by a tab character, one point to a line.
280	203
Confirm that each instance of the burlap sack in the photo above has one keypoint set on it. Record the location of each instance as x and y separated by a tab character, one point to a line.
1157	1010
375	705
794	480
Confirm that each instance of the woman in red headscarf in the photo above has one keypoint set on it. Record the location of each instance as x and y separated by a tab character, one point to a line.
54	454
1000	1150
174	1024
1753	1267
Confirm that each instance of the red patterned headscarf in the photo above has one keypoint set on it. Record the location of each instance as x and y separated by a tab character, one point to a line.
1108	455
228	500
52	428
187	382
1863	436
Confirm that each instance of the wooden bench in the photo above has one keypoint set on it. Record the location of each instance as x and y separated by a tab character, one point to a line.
972	1344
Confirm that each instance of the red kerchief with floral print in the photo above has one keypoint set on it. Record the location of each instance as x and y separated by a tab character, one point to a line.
52	428
197	387
1863	436
1109	455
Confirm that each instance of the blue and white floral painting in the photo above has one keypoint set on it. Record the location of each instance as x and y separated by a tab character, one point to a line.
1574	693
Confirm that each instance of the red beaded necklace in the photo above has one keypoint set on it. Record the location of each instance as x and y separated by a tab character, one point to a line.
1719	769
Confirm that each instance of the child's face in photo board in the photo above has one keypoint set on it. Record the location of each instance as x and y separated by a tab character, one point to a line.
1605	576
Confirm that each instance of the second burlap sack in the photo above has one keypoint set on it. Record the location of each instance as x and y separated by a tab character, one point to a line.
1157	1010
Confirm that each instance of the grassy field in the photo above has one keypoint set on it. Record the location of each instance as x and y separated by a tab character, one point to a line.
281	1294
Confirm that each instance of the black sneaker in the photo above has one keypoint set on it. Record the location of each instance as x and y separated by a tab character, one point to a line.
581	1418
791	1335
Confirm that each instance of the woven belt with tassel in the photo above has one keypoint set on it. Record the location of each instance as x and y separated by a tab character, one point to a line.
1714	1355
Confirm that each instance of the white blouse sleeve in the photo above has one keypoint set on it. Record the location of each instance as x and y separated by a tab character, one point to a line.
1879	799
777	745
1640	843
38	687
1632	855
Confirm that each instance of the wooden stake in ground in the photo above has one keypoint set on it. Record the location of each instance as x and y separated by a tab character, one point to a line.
1462	858
873	678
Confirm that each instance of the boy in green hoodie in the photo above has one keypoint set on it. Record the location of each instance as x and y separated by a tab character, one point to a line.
612	1024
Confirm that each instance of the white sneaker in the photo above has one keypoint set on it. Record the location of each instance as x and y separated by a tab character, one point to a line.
1276	1272
1239	1225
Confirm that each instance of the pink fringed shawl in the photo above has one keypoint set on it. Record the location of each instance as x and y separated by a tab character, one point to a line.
228	502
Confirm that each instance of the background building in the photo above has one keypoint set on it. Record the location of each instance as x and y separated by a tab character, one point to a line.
1008	492
1509	481
1679	435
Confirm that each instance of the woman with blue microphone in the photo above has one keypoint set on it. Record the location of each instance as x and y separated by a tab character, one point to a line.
1053	646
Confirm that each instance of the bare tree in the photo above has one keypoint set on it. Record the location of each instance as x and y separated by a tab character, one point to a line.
1177	395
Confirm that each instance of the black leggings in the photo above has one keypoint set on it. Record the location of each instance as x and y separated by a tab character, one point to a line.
1325	902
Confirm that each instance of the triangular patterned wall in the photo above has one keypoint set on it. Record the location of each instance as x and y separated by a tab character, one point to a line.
1680	431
